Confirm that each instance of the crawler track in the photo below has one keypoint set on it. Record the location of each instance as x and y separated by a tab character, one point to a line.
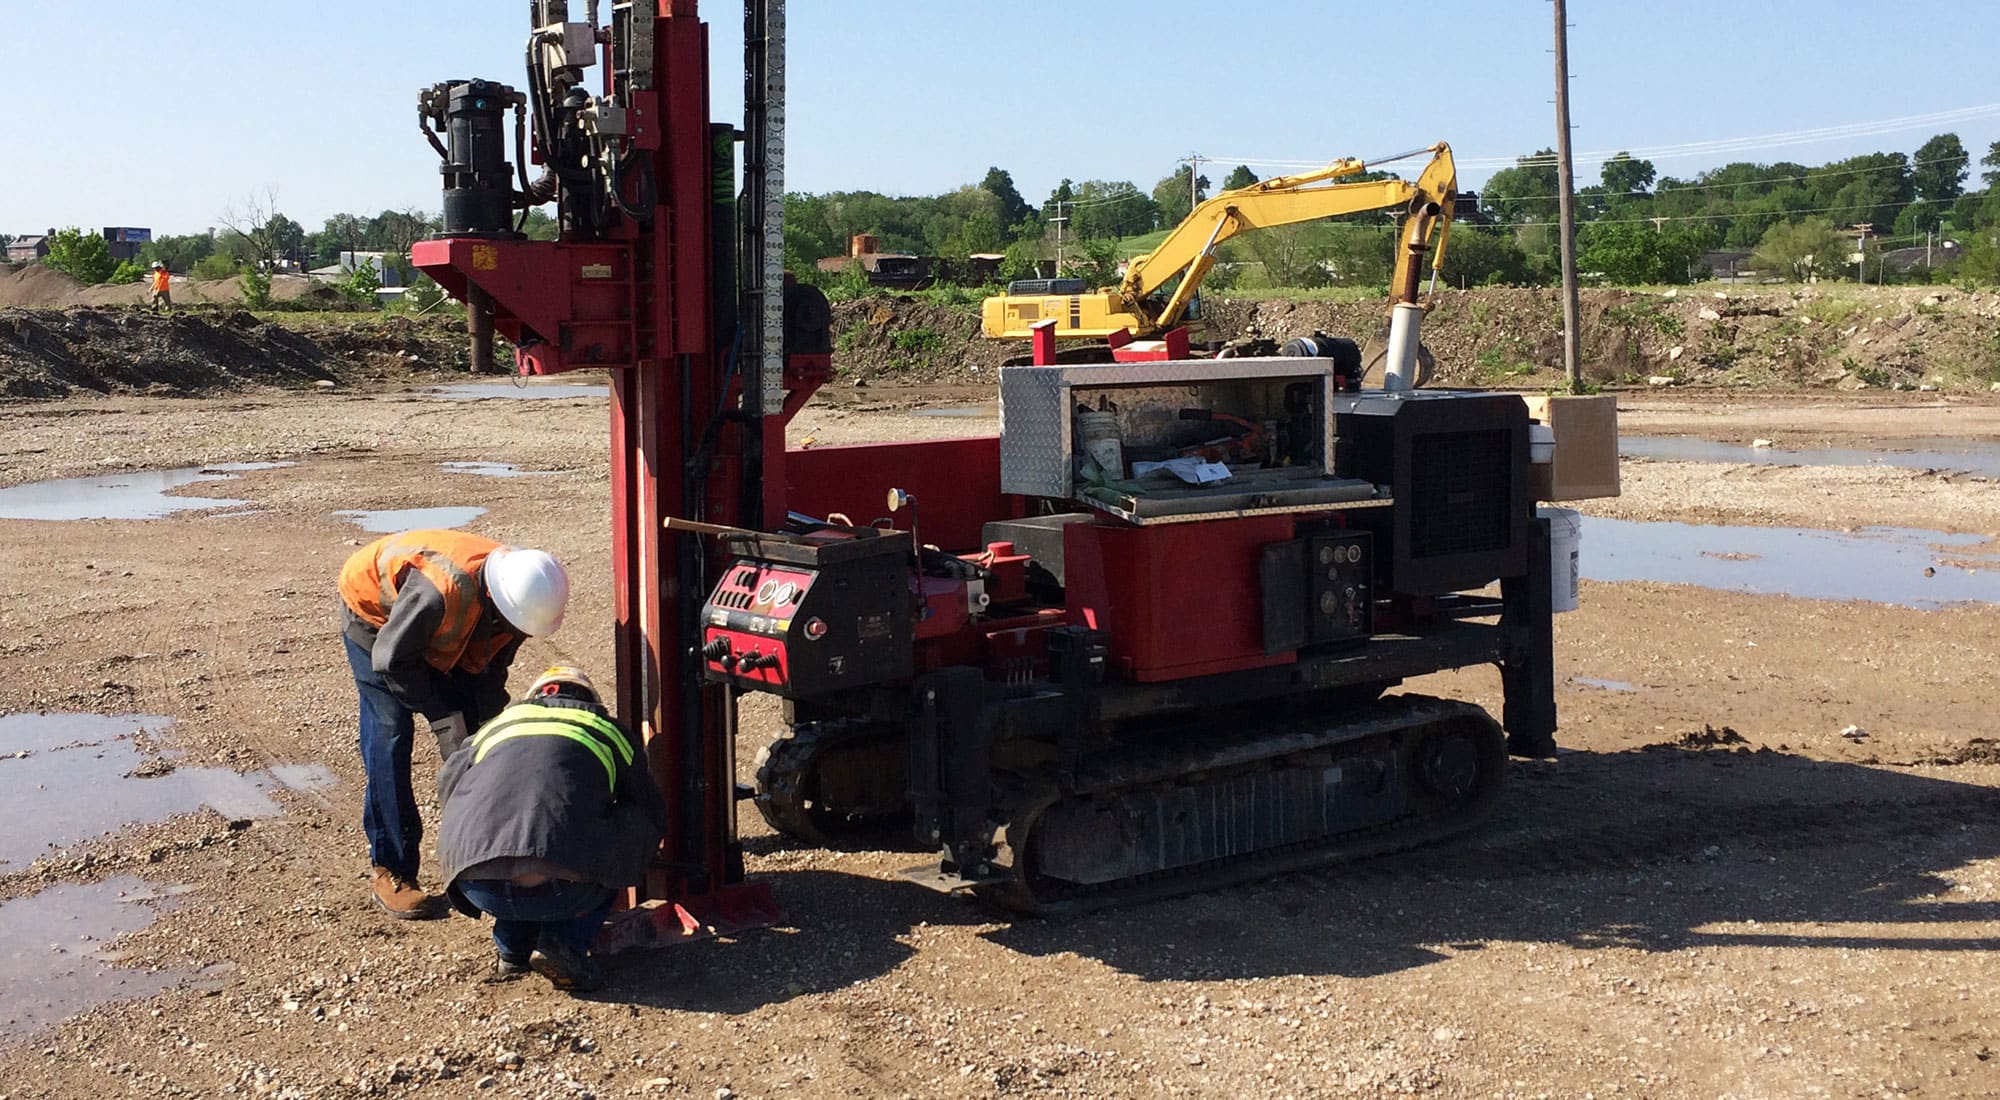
1221	809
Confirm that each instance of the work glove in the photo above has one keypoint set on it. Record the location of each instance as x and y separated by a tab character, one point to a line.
450	732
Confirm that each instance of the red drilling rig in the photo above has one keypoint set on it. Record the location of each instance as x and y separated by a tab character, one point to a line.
1140	642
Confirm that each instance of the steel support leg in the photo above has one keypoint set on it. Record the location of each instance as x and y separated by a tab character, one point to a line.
1528	674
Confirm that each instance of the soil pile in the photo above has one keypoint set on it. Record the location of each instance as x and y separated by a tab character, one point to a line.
40	286
54	353
907	341
1839	337
35	285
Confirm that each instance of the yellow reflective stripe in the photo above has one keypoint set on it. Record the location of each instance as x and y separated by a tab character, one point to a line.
493	737
571	716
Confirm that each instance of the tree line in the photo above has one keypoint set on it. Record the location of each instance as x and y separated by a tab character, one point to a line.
1634	226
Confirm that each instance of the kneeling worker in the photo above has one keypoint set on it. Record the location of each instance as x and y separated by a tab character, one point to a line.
432	620
548	813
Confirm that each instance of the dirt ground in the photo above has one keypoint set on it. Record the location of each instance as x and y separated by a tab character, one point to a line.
1713	893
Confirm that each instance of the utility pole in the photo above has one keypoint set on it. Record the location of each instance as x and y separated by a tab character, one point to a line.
1059	221
1194	174
1566	210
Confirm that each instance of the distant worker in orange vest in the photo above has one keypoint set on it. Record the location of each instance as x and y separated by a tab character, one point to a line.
161	299
432	620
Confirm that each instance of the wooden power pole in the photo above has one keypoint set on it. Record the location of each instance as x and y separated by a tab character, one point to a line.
1566	210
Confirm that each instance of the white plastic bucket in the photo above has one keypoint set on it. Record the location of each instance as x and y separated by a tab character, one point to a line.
1097	435
1541	444
1565	542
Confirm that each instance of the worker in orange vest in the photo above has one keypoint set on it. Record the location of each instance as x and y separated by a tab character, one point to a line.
161	299
431	621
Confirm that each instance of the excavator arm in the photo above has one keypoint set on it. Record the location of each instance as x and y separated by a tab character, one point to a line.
1189	251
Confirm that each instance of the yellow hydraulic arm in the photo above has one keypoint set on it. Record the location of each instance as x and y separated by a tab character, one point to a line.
1189	251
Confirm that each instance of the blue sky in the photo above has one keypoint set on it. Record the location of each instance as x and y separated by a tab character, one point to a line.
137	112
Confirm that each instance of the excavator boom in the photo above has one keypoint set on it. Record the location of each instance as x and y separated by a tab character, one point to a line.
1137	304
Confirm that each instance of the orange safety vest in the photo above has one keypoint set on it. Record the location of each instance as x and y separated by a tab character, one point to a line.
160	281
451	561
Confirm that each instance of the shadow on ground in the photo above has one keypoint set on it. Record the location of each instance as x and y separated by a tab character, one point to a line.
1654	850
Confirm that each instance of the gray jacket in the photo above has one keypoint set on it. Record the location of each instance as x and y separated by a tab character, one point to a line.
541	782
398	652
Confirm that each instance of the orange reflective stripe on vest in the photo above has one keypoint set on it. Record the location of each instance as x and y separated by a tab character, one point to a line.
450	561
160	281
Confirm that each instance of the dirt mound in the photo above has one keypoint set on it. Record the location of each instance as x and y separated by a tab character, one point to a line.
1793	338
909	341
222	292
54	353
41	287
35	285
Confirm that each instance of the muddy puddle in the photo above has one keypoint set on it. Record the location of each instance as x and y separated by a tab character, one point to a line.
389	520
533	391
491	469
1618	686
68	778
1969	456
55	956
139	494
1892	565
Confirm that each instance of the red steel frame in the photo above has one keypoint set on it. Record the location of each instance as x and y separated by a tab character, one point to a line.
639	303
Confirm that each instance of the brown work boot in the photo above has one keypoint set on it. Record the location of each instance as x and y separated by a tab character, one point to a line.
401	898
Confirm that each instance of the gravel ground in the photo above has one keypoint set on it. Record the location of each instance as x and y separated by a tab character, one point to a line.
1715	893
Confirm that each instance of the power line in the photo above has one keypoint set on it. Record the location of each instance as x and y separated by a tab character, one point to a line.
1693	149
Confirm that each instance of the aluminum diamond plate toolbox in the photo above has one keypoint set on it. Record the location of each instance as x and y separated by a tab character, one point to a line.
1287	398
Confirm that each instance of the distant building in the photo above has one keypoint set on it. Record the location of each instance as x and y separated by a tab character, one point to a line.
29	248
390	275
1905	260
125	241
891	270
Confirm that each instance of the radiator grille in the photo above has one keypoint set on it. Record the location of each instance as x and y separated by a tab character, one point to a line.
1459	492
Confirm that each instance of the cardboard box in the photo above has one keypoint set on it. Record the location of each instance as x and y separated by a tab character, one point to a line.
1586	458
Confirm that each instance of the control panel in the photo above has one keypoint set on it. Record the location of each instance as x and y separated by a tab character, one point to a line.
839	616
1338	595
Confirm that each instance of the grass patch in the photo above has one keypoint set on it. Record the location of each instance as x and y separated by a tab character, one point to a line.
1833	311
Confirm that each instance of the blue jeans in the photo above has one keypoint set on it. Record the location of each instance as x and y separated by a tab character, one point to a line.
389	815
525	917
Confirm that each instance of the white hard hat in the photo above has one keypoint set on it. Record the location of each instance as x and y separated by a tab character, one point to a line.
157	263
529	588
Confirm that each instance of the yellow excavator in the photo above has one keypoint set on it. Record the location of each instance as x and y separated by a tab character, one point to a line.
1143	306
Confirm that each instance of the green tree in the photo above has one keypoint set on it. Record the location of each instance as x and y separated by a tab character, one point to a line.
1991	162
539	226
1624	176
1110	210
287	238
82	256
1938	173
1634	253
256	282
179	253
6	239
1525	192
1476	256
1872	188
129	271
1093	261
965	221
340	233
1980	261
1293	255
1013	209
361	283
1238	178
1802	250
1170	197
215	265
